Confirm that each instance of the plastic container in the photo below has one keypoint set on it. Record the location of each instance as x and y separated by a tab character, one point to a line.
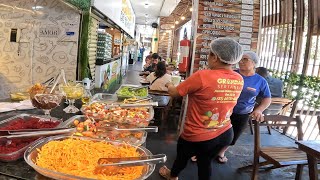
121	96
111	135
175	80
97	111
31	154
13	156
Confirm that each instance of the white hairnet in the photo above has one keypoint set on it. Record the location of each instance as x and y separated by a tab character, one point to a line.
228	50
253	56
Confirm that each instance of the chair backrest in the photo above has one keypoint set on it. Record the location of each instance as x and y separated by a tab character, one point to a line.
279	121
286	104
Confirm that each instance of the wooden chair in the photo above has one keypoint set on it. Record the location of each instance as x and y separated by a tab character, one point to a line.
277	156
286	105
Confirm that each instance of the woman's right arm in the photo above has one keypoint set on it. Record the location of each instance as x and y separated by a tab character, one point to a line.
190	85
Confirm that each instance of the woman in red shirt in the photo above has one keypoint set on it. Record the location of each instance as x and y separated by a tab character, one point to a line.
212	95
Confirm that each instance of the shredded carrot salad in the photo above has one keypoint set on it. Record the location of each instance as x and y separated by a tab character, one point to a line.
80	158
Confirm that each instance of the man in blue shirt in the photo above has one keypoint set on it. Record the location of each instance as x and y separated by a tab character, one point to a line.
276	89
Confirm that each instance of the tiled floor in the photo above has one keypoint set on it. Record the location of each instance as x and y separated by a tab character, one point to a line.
239	155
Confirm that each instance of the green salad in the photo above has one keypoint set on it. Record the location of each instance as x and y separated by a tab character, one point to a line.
127	92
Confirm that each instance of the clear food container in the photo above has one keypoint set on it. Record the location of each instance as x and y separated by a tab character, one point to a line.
31	155
138	93
134	116
136	138
18	145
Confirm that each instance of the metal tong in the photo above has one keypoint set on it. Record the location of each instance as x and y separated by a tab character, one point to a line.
132	161
131	105
136	88
24	131
38	133
115	127
138	100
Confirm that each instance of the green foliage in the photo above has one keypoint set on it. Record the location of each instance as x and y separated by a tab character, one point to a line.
84	5
300	87
84	57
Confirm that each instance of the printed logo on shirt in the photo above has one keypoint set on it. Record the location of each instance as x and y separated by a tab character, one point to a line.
251	89
212	119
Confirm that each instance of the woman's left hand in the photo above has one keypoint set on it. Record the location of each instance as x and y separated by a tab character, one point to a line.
257	115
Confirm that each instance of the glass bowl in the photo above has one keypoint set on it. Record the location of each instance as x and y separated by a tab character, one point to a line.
31	155
73	91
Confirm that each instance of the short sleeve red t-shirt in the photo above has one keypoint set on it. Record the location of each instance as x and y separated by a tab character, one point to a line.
212	94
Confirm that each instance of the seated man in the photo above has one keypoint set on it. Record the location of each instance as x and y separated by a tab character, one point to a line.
152	67
276	89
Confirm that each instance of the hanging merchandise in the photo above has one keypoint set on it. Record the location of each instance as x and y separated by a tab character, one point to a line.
184	53
104	46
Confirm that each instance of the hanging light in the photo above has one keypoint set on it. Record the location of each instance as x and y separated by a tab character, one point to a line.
177	22
183	18
146	5
191	9
172	26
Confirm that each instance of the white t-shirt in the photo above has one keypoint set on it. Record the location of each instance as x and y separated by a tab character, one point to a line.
160	83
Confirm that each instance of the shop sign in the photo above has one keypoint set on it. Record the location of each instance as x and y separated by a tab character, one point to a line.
49	32
119	11
236	19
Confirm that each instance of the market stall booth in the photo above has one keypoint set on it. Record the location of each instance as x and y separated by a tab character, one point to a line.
117	23
38	38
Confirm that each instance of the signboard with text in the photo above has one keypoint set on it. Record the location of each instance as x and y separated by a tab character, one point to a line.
237	19
119	11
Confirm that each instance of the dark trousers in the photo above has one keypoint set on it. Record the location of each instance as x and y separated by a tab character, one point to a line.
205	152
239	124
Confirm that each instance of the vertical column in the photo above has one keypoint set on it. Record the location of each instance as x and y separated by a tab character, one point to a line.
246	26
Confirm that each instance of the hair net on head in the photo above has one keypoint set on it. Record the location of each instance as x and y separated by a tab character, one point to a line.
228	50
253	56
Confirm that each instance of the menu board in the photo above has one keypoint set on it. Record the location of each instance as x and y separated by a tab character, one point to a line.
237	19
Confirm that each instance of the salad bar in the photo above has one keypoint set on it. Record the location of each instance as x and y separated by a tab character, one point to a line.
105	142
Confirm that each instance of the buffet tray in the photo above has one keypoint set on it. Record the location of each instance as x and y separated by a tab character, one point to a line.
133	86
137	141
13	156
31	155
136	123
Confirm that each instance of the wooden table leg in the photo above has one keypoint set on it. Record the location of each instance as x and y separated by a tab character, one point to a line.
313	170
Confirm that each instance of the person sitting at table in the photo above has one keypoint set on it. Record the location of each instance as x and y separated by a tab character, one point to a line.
147	65
159	78
152	68
170	69
276	89
149	56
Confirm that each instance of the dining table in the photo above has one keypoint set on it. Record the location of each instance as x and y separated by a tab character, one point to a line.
312	149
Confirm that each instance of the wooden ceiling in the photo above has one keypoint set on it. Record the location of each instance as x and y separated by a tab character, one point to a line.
182	9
